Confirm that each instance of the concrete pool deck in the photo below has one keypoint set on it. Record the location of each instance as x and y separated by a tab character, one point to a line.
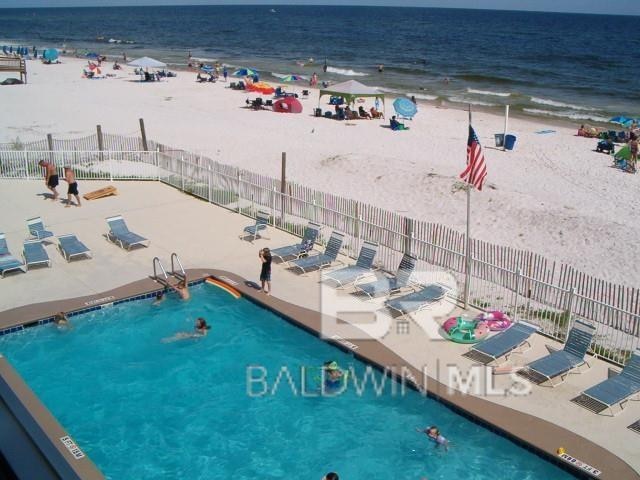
204	235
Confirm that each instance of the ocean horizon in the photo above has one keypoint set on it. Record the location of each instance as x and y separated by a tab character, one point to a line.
548	65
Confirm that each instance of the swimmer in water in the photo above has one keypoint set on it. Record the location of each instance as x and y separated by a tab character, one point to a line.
200	330
434	434
333	375
61	321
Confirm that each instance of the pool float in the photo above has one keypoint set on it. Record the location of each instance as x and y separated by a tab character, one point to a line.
463	330
223	286
496	320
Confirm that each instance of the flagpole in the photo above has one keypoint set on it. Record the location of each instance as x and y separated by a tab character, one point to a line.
467	260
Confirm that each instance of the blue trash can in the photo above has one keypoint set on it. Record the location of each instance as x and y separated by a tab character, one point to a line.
509	142
499	139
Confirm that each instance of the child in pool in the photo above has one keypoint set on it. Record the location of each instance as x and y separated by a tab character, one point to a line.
333	375
434	434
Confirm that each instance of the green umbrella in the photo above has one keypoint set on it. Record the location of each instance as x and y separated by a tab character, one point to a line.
292	78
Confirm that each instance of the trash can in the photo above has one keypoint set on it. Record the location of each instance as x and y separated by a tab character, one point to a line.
499	139
509	142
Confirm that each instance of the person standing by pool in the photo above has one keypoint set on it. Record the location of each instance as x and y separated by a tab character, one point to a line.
265	271
50	177
70	178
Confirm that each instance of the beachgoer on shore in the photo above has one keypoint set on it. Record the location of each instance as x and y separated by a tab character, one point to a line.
380	68
314	80
413	99
633	150
325	66
225	73
70	178
124	57
265	270
51	179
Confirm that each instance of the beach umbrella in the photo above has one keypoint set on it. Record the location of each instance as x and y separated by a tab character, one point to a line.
405	107
244	72
146	62
619	119
292	78
50	54
629	122
287	105
206	68
92	55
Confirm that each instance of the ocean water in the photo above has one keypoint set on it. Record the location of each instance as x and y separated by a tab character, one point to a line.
231	406
581	67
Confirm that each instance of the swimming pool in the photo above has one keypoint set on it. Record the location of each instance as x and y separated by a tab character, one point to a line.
145	409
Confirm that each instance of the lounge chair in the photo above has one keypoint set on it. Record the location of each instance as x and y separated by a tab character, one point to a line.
384	286
71	247
615	390
311	232
561	363
34	254
503	344
352	273
8	262
36	228
416	301
120	234
262	221
324	259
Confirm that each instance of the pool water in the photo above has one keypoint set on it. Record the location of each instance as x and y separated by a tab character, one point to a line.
142	408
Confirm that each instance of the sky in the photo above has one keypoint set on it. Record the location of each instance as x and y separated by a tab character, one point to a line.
625	7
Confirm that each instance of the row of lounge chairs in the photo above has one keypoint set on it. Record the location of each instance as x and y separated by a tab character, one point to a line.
70	247
552	369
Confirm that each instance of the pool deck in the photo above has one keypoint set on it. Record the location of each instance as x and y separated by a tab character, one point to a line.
204	236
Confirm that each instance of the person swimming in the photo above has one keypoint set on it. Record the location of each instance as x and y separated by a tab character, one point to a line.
200	330
334	377
61	321
434	434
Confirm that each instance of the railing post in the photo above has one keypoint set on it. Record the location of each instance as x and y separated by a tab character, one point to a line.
238	192
209	181
26	163
182	171
570	305
283	186
408	235
110	160
517	293
100	141
50	144
274	193
157	158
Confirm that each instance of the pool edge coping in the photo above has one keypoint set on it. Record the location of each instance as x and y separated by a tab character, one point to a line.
530	432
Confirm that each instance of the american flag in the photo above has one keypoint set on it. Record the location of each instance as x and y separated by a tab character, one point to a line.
476	170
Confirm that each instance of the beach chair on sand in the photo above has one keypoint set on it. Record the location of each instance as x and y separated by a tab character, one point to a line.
311	232
70	247
416	301
351	273
8	262
384	286
324	259
37	230
561	363
34	253
615	390
253	231
120	234
503	344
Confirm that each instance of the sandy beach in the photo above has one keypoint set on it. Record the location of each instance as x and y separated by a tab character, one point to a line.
553	194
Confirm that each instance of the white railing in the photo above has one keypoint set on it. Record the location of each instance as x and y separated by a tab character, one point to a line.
549	306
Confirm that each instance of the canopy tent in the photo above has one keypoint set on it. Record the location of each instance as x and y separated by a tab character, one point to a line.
146	62
350	90
288	105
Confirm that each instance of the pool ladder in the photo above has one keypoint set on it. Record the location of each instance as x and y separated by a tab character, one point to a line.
163	278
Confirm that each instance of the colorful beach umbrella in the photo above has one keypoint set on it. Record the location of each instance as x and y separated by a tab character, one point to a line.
292	78
206	68
50	54
244	72
619	119
405	107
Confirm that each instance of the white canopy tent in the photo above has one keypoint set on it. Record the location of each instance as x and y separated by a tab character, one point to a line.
350	90
146	62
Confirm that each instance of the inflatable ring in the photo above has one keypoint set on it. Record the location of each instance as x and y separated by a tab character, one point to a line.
463	330
496	320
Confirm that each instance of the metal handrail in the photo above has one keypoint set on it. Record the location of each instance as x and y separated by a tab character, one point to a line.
174	255
157	261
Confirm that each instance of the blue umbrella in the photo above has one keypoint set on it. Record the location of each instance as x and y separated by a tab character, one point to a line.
629	122
206	68
244	72
619	119
405	107
50	54
92	55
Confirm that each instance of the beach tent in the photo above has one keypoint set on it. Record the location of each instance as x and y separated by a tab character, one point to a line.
50	54
623	154
350	90
146	62
288	105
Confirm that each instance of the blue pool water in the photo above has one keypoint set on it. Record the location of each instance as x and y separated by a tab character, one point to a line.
144	409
